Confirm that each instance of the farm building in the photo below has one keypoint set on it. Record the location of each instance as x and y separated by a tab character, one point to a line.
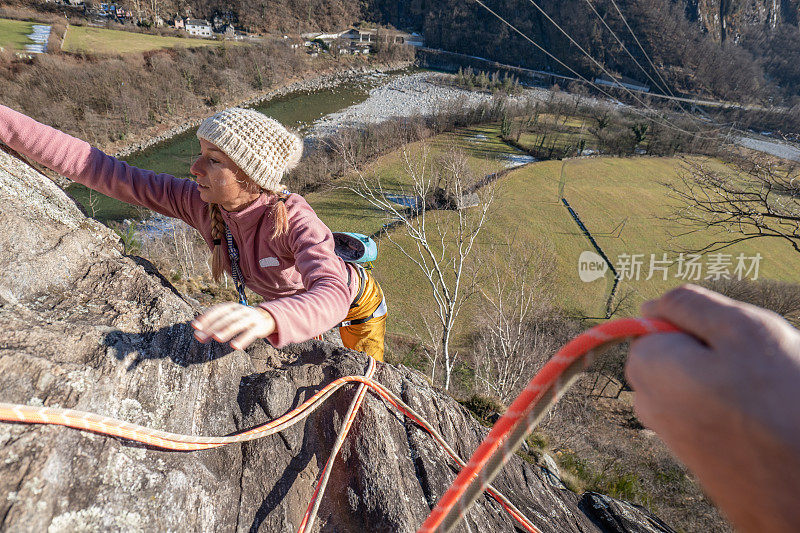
357	40
360	37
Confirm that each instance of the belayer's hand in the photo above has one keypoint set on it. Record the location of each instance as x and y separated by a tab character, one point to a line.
726	400
225	321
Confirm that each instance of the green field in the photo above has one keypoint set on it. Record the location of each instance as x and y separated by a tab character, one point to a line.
103	41
14	34
620	200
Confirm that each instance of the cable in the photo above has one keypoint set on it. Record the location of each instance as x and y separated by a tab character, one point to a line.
313	506
640	44
625	48
531	405
592	84
604	70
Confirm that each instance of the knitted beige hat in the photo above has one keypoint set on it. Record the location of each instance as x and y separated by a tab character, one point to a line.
259	145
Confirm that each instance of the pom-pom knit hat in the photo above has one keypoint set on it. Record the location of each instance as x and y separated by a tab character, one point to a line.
259	145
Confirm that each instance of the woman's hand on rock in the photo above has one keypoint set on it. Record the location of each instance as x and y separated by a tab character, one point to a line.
225	321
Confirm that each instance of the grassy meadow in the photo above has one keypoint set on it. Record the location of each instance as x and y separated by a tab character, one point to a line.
104	41
622	202
14	34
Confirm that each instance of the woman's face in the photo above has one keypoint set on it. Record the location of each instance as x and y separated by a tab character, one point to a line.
220	181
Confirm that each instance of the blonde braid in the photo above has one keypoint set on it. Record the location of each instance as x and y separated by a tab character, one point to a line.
280	214
218	237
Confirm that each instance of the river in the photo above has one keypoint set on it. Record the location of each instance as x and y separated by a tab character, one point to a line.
298	110
372	98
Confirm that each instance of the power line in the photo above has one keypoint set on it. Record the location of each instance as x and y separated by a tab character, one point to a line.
613	33
603	69
652	65
582	78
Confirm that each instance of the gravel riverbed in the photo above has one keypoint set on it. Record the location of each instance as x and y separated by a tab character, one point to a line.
415	94
779	149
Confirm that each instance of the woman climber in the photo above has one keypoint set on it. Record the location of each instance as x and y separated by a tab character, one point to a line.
269	240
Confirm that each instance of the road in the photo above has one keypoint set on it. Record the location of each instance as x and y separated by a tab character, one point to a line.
778	149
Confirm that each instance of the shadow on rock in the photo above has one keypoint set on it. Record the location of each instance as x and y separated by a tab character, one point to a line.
284	484
175	342
267	394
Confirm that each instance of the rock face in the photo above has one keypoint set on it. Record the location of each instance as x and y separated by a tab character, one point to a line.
84	327
616	516
725	19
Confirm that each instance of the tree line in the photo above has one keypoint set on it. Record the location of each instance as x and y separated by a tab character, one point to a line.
761	65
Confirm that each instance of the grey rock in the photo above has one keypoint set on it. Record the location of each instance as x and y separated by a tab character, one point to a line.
618	516
550	471
414	94
84	327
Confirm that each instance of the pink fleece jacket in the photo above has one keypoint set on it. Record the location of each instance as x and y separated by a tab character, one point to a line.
303	282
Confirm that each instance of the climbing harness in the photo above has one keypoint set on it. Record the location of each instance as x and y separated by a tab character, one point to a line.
542	392
362	282
377	313
380	311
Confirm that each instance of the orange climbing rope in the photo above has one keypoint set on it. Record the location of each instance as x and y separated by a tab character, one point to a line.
542	392
313	505
173	441
475	477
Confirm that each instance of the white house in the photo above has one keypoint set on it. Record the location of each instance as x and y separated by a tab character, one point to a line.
198	27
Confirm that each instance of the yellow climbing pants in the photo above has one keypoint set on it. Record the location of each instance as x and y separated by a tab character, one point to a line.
365	325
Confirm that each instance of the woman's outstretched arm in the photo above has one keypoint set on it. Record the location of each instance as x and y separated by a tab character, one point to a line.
77	160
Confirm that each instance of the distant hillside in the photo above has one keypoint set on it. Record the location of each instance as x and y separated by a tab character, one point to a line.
724	48
730	19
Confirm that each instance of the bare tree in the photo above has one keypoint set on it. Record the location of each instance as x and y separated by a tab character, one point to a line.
513	338
440	244
756	199
778	296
